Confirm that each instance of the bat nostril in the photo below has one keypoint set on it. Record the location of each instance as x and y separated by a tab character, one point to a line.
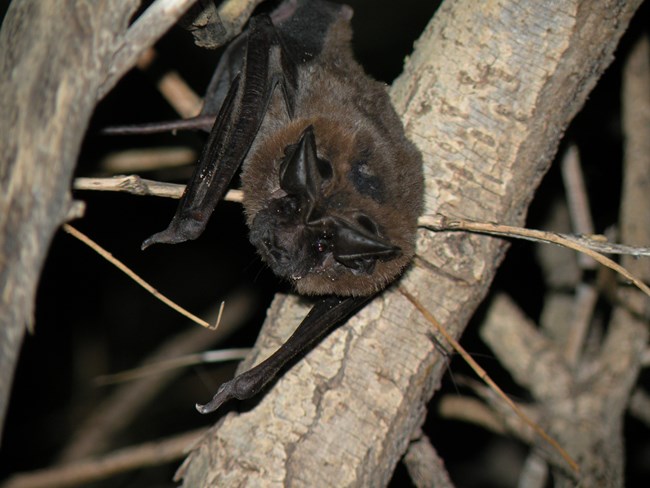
279	255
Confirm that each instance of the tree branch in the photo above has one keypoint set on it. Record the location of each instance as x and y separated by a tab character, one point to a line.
83	472
486	96
56	61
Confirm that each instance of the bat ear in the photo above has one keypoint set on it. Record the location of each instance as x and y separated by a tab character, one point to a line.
356	248
301	172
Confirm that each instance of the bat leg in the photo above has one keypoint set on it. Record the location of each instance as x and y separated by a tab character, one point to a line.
328	313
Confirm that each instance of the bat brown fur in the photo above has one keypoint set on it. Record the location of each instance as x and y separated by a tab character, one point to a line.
332	186
356	128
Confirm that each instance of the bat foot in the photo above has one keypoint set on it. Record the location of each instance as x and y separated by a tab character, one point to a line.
242	387
180	230
226	392
164	237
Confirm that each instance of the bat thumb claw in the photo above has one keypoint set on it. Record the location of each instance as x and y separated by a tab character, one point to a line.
164	237
148	242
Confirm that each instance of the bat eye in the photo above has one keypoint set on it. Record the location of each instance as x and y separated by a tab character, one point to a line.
323	243
367	223
289	150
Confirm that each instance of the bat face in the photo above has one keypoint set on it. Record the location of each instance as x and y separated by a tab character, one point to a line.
332	186
322	214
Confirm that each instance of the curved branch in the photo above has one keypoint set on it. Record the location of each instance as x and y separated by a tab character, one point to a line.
56	61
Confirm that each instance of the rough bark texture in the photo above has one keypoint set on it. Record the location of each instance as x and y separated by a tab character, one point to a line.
56	61
486	96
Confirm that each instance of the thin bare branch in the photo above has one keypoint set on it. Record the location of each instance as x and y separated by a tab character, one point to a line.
440	223
469	409
82	472
218	356
149	159
173	88
144	32
424	465
135	185
139	186
577	199
640	405
534	473
586	297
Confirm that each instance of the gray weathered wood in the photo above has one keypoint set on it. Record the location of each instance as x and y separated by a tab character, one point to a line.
56	61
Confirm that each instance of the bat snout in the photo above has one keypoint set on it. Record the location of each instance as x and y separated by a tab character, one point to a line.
282	248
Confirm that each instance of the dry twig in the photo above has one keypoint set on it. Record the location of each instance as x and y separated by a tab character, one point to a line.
135	185
426	469
441	223
82	472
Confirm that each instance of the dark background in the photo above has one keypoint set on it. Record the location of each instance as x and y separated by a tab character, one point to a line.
92	320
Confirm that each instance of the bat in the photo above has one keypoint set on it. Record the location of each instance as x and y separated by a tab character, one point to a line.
332	186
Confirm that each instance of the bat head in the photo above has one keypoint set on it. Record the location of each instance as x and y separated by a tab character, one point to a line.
322	216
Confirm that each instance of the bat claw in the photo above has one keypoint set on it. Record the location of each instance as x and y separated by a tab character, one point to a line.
180	230
224	394
207	407
163	237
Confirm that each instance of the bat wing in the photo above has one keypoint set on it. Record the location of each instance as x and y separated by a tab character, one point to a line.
229	66
266	64
328	313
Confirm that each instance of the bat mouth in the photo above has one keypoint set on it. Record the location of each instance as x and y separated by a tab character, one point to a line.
281	247
295	247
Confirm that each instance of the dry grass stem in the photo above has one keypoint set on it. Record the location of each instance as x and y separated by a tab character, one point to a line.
131	274
486	378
